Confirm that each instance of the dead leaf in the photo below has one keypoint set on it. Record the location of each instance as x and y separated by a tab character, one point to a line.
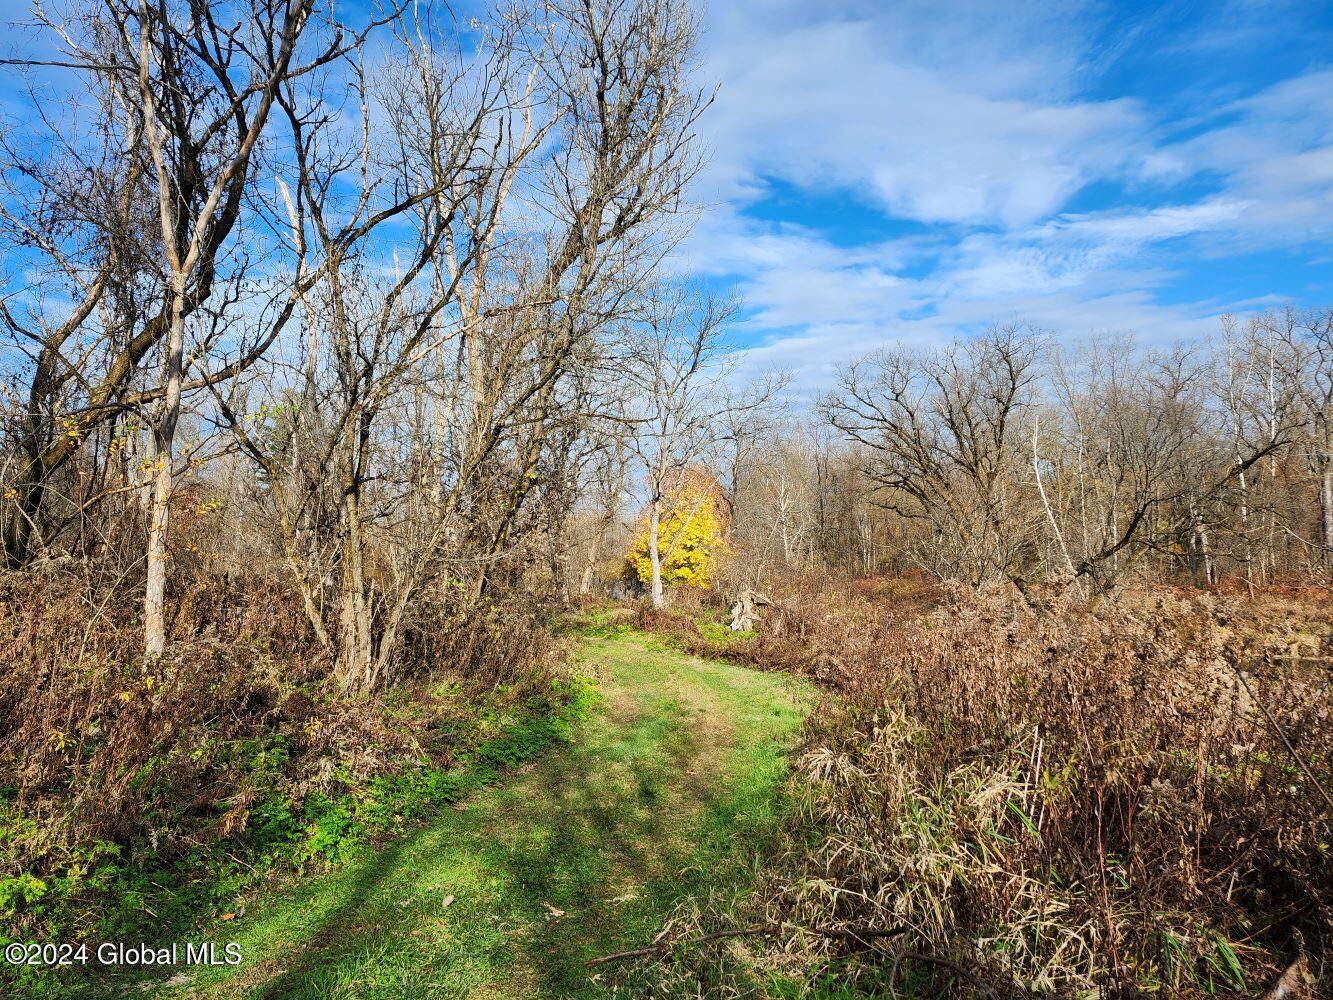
448	901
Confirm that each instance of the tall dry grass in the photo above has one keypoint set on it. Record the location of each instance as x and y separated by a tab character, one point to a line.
1117	803
1127	801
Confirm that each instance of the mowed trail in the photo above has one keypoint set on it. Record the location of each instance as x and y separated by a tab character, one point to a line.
663	794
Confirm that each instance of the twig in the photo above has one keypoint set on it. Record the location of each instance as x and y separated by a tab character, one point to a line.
1240	675
659	946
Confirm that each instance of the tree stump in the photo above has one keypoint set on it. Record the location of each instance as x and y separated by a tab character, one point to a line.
745	611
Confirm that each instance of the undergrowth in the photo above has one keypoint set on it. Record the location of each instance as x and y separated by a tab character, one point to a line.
141	798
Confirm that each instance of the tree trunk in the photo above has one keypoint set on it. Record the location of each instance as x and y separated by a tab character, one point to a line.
355	662
1201	560
1326	501
590	565
745	610
164	444
24	509
1247	541
655	554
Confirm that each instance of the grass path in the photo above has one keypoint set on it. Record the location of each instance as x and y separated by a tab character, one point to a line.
661	795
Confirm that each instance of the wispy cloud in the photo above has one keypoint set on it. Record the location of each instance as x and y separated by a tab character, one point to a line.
828	104
1010	172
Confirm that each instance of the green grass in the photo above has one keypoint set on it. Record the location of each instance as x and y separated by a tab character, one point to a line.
664	794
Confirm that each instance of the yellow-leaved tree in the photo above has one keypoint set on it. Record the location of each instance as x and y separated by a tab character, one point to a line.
690	533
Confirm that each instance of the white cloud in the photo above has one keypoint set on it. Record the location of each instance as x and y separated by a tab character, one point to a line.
1080	250
968	121
814	353
1273	152
939	131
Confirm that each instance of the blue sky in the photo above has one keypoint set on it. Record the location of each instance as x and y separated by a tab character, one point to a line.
917	170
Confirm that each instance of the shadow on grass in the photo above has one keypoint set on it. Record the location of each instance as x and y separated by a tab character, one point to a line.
566	840
611	843
324	947
660	798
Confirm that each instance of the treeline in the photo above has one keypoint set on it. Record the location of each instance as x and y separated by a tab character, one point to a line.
373	307
1011	458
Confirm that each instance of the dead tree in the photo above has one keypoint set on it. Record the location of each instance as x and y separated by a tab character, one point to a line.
188	88
677	368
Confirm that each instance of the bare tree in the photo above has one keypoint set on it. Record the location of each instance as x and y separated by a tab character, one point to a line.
1149	465
443	389
1308	341
609	468
941	434
189	88
682	404
775	518
200	140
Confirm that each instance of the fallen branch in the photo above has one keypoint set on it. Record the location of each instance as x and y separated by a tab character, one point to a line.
661	947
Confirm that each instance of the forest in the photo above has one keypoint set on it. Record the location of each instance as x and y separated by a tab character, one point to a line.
410	582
